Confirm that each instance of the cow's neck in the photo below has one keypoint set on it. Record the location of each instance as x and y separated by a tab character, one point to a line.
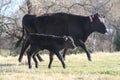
87	29
85	36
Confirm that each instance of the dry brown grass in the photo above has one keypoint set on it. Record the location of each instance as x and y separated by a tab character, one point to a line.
105	66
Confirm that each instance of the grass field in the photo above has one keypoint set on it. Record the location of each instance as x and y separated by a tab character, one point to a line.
105	66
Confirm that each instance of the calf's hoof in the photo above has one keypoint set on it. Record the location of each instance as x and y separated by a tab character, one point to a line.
36	66
64	66
49	67
19	60
30	67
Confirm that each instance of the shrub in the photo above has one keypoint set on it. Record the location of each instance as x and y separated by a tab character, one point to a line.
117	41
75	51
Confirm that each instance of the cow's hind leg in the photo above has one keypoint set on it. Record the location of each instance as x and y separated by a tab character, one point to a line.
24	47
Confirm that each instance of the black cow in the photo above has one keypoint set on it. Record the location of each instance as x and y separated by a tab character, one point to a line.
60	24
50	42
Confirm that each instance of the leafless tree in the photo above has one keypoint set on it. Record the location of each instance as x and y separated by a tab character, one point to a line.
80	7
85	7
8	26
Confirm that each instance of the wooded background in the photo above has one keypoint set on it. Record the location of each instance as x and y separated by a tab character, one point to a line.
10	25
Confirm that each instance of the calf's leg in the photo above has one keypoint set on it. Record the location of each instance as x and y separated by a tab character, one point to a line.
64	53
51	59
25	45
61	59
39	57
35	60
34	57
29	54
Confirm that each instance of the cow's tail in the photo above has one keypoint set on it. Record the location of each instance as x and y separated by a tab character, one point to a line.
19	41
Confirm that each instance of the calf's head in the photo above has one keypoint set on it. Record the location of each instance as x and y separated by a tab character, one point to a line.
97	23
69	42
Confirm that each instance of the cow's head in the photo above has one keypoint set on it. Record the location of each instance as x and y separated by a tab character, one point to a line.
69	42
97	23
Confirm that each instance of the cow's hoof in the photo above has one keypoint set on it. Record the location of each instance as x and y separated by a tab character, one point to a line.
89	59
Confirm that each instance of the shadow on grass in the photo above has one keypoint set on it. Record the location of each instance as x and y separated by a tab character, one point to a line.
7	65
26	64
12	64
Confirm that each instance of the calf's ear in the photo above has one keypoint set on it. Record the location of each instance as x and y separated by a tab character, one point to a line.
65	38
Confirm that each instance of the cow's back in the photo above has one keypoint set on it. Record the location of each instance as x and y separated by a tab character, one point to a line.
59	24
28	23
52	24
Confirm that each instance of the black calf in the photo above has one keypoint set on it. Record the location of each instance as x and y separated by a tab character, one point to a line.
50	42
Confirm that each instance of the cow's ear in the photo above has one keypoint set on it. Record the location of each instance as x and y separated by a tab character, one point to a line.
65	38
100	15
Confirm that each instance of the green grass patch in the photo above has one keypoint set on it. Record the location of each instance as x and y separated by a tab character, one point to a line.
5	53
104	66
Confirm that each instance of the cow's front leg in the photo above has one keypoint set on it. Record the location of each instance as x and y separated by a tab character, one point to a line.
24	47
82	45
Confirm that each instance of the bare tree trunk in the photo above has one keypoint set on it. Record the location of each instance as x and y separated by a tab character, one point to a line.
29	5
112	47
